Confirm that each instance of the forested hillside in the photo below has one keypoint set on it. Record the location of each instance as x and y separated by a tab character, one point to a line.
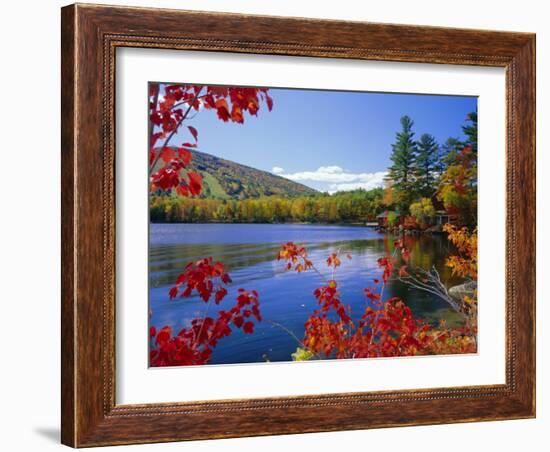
224	179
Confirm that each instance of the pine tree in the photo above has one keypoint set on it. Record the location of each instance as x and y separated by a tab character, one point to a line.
448	153
401	173
470	130
426	161
458	183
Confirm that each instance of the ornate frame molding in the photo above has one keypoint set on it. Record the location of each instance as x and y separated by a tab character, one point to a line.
90	36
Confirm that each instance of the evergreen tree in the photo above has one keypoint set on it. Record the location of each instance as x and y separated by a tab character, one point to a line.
448	153
401	173
470	130
426	161
458	183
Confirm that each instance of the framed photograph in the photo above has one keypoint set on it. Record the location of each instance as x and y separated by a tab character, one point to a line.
283	225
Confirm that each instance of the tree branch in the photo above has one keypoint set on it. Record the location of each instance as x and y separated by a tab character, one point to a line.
169	137
430	282
290	333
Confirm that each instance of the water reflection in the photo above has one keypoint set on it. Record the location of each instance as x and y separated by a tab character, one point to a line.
249	253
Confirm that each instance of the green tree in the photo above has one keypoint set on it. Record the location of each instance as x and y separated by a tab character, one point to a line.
423	210
470	130
401	172
426	161
351	206
448	153
392	219
458	183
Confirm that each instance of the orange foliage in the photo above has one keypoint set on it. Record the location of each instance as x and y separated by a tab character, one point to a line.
410	223
386	327
465	264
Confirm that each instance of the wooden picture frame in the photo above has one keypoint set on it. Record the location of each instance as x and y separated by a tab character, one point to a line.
90	36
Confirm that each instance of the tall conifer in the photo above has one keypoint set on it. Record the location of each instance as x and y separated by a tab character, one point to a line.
402	172
426	162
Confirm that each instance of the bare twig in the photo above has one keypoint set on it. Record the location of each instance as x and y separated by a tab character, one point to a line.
300	343
430	281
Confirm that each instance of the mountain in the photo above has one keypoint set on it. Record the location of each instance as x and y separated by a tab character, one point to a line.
224	179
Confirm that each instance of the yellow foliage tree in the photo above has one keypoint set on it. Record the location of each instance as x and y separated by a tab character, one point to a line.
422	210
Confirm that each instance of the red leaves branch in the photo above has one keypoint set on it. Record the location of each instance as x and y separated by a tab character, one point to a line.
170	106
295	256
386	327
194	345
203	276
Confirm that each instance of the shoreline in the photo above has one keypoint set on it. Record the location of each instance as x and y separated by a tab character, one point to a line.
395	231
370	226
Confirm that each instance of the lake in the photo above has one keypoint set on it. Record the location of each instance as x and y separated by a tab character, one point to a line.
286	298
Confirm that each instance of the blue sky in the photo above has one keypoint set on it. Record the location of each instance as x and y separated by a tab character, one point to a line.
328	140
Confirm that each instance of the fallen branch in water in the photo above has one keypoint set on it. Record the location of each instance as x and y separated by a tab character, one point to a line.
430	281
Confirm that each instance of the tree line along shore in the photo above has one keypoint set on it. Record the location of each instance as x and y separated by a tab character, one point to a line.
428	184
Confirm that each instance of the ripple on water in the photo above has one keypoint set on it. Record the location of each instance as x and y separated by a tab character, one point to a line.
249	251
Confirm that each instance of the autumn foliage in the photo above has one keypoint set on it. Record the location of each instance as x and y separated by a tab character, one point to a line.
295	256
194	345
457	188
385	328
169	107
465	263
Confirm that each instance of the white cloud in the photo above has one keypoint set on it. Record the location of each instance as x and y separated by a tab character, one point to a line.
330	169
339	179
278	170
375	180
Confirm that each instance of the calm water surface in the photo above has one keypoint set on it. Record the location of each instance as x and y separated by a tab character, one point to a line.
286	298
